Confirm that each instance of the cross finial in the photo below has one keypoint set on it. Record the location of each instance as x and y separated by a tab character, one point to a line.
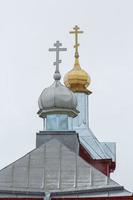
76	32
57	49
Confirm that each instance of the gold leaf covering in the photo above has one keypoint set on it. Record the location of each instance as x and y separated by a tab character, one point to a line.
77	79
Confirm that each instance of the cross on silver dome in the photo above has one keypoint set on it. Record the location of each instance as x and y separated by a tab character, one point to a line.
57	49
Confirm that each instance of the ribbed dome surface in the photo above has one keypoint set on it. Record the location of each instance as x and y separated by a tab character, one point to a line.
57	98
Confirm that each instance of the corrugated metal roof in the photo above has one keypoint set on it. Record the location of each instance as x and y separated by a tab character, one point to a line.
52	167
97	150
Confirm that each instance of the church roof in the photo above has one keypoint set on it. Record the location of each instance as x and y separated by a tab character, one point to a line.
97	150
53	167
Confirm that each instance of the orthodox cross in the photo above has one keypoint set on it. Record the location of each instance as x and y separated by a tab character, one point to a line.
76	32
57	49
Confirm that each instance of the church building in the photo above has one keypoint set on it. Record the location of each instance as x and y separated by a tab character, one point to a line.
68	162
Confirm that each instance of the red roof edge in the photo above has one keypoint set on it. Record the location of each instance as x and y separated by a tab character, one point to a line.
106	166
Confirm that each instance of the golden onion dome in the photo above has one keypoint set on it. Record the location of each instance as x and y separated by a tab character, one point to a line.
77	79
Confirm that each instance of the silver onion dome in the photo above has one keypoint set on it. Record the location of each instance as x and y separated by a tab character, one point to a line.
57	98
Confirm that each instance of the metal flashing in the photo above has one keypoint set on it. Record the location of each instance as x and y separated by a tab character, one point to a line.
53	167
97	150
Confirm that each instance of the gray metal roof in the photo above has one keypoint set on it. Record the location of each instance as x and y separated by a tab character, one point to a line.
97	150
52	167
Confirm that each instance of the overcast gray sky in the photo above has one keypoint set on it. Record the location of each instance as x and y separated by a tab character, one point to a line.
27	29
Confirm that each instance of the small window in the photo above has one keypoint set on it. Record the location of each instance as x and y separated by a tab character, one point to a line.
57	122
51	122
63	122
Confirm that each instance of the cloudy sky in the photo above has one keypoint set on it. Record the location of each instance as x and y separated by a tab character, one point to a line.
27	29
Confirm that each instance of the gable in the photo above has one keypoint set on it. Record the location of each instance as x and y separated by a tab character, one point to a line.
52	167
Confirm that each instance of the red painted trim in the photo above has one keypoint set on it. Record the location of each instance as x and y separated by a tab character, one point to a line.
19	198
96	198
106	166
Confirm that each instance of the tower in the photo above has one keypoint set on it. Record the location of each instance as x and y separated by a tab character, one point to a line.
57	104
78	80
101	154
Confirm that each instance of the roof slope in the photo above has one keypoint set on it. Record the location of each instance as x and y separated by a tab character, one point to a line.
97	150
52	167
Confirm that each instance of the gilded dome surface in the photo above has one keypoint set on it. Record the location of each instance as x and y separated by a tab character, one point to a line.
77	79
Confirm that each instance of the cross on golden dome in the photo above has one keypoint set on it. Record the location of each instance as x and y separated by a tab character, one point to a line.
77	79
76	32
